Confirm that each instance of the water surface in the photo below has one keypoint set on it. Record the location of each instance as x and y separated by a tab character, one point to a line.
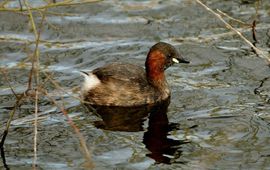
218	117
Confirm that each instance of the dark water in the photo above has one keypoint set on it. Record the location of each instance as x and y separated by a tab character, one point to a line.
218	117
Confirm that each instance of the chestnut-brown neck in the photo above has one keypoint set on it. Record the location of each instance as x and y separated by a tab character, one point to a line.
155	68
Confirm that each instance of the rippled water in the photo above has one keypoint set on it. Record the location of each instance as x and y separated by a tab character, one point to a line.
218	117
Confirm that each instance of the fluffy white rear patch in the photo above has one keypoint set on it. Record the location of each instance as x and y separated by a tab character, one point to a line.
90	82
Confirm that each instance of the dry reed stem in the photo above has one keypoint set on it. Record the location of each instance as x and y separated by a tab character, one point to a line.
233	19
260	53
36	55
35	68
51	5
11	115
87	154
36	49
3	158
58	86
199	39
254	32
35	131
7	80
60	14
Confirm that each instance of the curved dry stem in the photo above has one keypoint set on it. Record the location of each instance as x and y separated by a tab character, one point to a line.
9	85
85	150
3	158
35	71
11	115
233	19
260	53
58	86
51	5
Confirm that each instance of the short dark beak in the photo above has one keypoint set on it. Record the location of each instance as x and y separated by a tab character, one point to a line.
83	72
182	59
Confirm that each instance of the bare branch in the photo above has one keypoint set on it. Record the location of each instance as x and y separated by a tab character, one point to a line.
261	53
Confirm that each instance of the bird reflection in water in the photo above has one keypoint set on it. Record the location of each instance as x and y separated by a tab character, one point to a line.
131	119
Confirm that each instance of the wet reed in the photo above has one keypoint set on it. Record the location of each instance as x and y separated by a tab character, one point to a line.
35	88
260	53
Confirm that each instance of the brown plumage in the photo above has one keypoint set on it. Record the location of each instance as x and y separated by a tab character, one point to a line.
122	84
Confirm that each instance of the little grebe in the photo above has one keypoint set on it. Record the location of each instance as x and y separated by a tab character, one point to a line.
123	84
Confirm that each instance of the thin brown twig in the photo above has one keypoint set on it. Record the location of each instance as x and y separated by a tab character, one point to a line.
9	85
4	158
254	23
11	115
261	53
58	86
85	150
254	32
35	64
257	6
60	14
35	68
52	5
233	19
36	49
35	130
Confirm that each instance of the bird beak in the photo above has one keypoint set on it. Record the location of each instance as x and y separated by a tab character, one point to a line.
180	60
84	73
